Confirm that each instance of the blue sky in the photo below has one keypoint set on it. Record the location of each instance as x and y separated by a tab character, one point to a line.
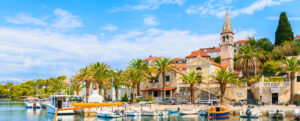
42	39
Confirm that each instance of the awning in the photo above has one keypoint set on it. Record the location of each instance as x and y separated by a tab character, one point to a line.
158	89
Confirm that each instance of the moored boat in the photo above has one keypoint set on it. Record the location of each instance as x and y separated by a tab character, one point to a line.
276	114
149	113
217	113
173	112
32	103
250	112
107	114
190	112
202	112
297	114
59	102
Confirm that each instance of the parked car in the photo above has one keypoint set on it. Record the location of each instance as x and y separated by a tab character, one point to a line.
169	100
184	101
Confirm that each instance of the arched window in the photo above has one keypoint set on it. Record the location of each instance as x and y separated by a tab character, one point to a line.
198	68
223	39
227	38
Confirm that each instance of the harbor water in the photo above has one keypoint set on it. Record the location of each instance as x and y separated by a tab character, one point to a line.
16	111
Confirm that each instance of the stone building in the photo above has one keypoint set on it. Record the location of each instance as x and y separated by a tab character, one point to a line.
239	44
201	62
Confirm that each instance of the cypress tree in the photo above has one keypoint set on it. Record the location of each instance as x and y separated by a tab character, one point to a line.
284	30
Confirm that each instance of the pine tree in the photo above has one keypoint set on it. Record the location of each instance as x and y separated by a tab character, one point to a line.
284	30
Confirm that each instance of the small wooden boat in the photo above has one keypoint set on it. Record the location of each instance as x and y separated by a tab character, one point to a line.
276	114
297	114
173	112
250	112
107	114
217	113
190	112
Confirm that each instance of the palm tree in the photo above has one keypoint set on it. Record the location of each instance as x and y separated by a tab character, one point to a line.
247	60
85	75
134	73
223	77
76	85
192	78
118	80
164	65
141	67
291	66
100	72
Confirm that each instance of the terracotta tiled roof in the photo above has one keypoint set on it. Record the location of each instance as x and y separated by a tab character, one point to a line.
178	71
297	37
240	41
210	50
152	58
177	59
157	89
197	53
214	63
180	65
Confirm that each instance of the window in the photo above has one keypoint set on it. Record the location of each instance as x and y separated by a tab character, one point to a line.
234	50
167	78
298	78
240	44
198	68
234	45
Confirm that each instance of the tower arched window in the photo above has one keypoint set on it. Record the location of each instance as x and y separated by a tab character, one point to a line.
198	68
223	39
227	38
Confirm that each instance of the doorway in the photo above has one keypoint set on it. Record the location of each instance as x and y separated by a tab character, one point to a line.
274	98
59	104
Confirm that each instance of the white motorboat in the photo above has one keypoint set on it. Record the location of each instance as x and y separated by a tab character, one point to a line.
276	114
134	112
149	113
250	112
162	113
59	102
190	112
32	103
107	114
297	114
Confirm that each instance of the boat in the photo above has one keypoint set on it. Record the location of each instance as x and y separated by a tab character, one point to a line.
43	102
134	112
190	112
59	102
217	113
107	114
250	112
162	113
202	112
32	103
276	114
173	112
149	113
297	114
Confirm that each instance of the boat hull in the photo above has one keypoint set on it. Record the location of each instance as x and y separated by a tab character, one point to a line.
133	113
277	115
51	109
149	113
32	105
172	112
107	114
218	115
188	112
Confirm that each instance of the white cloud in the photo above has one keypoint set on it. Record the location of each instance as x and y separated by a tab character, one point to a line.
150	21
65	20
218	8
23	18
148	5
110	28
39	52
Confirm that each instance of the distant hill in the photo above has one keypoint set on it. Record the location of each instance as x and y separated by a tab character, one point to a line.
3	82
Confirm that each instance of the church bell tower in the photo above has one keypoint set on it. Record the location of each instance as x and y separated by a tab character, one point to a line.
227	48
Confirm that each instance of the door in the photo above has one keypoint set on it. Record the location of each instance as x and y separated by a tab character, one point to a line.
274	98
59	104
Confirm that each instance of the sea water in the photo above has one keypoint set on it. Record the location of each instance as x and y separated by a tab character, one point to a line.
16	111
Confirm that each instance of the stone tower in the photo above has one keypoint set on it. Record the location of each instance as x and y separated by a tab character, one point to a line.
227	36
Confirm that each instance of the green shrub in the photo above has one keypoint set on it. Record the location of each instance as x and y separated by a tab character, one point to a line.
125	98
297	101
131	97
287	103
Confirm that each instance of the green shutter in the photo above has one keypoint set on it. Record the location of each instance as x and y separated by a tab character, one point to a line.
167	78
234	45
234	50
298	78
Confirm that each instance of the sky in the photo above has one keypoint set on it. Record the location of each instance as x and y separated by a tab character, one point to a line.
42	39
